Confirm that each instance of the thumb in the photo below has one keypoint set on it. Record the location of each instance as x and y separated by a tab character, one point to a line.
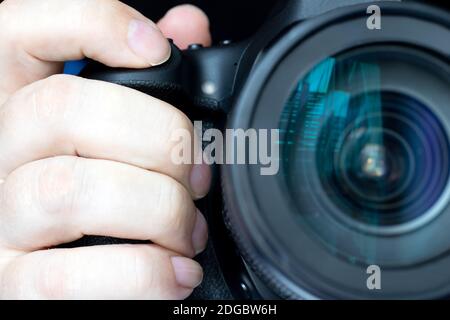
186	24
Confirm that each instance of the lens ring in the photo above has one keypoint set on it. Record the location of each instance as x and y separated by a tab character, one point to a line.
278	248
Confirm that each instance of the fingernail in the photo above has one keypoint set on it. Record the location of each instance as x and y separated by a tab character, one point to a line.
147	41
200	179
200	233
188	273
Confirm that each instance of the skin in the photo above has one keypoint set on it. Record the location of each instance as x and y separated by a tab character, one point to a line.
82	157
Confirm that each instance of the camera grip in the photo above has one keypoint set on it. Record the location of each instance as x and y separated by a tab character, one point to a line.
200	78
163	82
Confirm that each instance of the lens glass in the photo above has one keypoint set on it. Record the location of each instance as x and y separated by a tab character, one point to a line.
364	142
378	159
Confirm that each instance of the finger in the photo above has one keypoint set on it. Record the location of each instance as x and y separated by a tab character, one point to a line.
36	33
186	24
102	272
59	200
66	115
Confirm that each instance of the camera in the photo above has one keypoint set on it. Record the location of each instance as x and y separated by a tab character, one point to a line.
358	93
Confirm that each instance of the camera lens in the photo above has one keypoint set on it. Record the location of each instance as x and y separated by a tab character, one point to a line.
377	151
373	154
364	152
379	160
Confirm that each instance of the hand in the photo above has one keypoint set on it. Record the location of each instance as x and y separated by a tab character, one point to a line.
82	157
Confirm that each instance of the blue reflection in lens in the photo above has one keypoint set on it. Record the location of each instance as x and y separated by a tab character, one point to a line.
382	155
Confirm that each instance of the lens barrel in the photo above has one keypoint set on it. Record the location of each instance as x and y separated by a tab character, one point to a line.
364	122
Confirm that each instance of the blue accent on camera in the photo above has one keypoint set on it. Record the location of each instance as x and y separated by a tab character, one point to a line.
74	67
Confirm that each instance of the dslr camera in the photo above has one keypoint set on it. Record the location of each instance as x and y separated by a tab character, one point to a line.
358	94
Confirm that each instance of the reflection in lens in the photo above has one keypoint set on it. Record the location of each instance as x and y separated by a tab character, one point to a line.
383	167
352	134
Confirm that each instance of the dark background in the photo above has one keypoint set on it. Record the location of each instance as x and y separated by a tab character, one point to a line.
230	19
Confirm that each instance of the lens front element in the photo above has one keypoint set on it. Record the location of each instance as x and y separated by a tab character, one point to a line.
365	148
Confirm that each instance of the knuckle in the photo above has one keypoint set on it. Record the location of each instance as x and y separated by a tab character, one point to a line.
105	14
102	5
144	275
11	281
52	97
51	105
54	280
10	4
57	185
36	276
16	200
7	9
152	274
177	122
176	206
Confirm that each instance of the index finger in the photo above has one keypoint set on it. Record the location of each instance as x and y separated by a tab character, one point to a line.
36	35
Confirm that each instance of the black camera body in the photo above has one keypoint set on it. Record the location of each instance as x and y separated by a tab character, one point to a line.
258	249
